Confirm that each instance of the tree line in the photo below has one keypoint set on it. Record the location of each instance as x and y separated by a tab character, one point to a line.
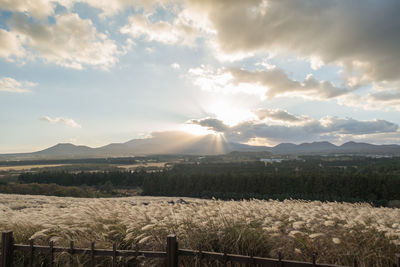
65	178
371	180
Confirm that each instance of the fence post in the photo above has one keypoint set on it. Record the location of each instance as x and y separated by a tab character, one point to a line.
172	251
7	242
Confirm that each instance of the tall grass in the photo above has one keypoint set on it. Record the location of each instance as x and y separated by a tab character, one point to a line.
337	232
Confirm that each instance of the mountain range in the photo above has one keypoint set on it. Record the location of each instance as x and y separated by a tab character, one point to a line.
184	143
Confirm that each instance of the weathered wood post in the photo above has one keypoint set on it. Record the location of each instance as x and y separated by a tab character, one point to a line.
355	262
7	246
314	258
71	253
92	261
172	251
31	248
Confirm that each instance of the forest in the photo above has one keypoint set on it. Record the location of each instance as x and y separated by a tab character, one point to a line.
350	179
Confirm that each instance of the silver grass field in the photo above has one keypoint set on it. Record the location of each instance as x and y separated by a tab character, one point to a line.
338	232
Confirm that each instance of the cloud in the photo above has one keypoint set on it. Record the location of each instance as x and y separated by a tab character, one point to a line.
10	46
221	81
384	100
363	43
159	31
279	115
362	36
179	31
278	83
149	50
271	83
355	127
37	8
67	122
212	124
327	128
71	42
386	96
43	8
11	85
175	66
113	7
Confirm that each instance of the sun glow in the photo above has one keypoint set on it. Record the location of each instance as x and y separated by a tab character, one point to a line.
215	141
259	141
196	129
229	114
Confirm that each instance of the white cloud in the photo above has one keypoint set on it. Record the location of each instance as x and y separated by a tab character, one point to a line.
11	85
278	83
37	8
159	31
43	8
10	45
66	121
364	41
221	81
113	7
71	42
179	31
375	99
175	66
149	50
361	36
271	83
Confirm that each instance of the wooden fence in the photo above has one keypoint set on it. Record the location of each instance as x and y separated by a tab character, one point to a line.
169	257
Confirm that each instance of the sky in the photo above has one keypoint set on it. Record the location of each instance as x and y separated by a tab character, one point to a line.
258	72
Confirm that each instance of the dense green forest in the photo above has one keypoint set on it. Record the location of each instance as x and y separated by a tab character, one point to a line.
55	190
315	178
116	178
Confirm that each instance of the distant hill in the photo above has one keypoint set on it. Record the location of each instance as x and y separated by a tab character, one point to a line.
322	148
184	143
160	143
305	148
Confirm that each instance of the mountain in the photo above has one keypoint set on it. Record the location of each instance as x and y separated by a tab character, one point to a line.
284	148
324	148
305	148
184	143
369	148
65	148
159	143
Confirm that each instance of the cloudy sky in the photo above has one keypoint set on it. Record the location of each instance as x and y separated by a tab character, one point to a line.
257	71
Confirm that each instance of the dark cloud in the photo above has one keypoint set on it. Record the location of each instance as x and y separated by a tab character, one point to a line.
386	96
328	128
355	127
362	35
212	124
277	114
278	83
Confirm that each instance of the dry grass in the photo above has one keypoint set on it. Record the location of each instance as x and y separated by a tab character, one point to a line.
146	164
28	167
338	232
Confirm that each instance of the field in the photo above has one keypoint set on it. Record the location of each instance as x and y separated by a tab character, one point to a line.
141	165
337	232
28	167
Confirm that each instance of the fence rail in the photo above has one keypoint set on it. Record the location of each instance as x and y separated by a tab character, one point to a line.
170	256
